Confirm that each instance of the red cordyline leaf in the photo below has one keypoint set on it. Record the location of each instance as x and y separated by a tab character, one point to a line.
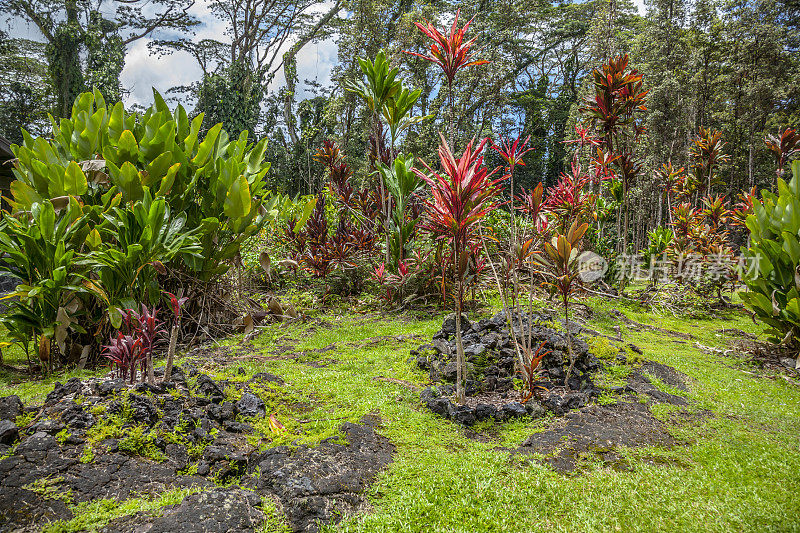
584	137
512	151
462	194
449	51
176	303
567	198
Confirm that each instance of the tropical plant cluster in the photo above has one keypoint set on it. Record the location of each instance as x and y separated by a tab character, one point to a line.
115	208
118	210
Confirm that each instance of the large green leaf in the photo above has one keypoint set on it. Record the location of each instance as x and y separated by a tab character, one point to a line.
75	180
238	200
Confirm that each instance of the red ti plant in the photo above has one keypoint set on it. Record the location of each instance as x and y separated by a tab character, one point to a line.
618	96
340	172
583	138
125	353
629	170
743	208
512	152
532	205
146	328
175	304
618	99
530	370
569	200
562	262
601	165
783	147
708	155
451	52
669	177
460	197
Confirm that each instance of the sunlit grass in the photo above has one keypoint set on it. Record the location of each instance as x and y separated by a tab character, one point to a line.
739	469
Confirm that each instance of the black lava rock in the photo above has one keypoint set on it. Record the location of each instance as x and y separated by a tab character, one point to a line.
221	413
110	386
514	410
463	414
232	426
75	417
574	400
144	412
440	406
485	411
73	386
8	432
266	377
10	408
555	404
449	325
210	388
251	405
47	425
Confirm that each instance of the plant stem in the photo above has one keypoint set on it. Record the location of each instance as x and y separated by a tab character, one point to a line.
460	365
151	378
569	342
173	342
452	113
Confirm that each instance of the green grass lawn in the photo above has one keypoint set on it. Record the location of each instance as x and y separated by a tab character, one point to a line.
740	469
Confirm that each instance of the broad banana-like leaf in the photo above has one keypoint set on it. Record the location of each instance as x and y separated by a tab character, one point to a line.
74	180
93	240
248	324
238	201
275	308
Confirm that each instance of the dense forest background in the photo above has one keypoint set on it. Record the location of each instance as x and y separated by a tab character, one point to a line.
730	65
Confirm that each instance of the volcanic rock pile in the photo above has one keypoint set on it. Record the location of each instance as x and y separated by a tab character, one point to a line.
193	435
491	368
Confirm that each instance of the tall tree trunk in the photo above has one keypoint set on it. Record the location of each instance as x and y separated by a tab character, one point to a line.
290	69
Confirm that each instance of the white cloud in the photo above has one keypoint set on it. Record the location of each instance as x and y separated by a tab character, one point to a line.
143	71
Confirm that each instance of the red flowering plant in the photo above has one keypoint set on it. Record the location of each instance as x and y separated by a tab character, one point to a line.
583	138
707	153
135	345
614	110
531	204
460	196
511	152
743	207
451	52
601	167
415	280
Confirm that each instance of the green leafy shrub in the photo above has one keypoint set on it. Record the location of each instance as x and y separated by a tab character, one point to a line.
773	258
113	200
104	152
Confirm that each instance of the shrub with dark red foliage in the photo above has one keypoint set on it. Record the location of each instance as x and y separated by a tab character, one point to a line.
125	353
135	342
